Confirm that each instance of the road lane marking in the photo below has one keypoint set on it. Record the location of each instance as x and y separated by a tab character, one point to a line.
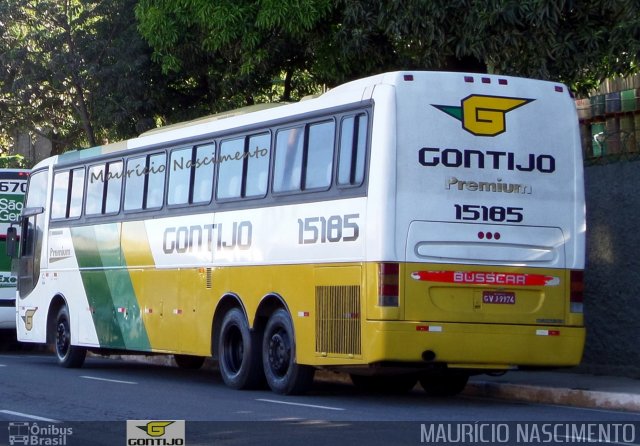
108	380
300	404
26	415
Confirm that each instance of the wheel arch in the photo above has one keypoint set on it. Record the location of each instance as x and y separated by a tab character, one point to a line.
267	306
56	303
226	303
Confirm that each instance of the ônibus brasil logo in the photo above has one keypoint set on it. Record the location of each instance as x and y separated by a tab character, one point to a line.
483	115
156	433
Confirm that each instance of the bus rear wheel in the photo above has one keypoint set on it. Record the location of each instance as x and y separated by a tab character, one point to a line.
239	353
284	375
68	355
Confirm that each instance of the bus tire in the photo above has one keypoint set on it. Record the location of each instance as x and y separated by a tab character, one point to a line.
443	385
69	356
239	353
395	384
284	375
188	362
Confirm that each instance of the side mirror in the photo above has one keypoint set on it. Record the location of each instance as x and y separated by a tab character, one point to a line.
12	242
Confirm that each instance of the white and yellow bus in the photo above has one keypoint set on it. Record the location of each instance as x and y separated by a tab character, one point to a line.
13	185
407	226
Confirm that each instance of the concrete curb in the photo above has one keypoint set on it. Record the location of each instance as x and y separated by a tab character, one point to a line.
555	395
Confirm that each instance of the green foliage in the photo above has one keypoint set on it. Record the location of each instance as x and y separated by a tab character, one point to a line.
85	72
75	70
576	41
246	29
43	75
237	50
13	162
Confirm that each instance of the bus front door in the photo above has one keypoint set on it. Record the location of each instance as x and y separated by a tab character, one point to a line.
30	247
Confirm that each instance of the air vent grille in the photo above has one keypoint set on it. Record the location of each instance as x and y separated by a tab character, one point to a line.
338	328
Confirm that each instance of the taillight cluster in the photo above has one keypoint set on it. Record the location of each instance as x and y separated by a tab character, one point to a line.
577	291
388	284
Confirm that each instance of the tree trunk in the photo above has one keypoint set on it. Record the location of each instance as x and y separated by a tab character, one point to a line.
286	96
83	111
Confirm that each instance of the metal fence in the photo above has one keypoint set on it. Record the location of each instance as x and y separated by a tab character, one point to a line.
610	121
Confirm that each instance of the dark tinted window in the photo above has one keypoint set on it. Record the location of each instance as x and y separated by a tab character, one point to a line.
352	150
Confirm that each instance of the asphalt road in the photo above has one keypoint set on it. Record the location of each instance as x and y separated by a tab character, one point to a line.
98	399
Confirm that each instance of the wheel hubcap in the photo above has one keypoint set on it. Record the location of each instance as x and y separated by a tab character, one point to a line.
279	353
62	339
233	350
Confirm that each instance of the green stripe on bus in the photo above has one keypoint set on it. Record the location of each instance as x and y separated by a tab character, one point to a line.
116	313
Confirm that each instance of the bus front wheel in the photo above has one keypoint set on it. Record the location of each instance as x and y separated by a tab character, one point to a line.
283	374
239	352
68	355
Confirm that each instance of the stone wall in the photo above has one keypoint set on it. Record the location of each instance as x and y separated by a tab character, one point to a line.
32	146
612	275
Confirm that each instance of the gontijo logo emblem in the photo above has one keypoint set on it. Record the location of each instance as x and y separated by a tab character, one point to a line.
155	428
28	318
483	115
155	433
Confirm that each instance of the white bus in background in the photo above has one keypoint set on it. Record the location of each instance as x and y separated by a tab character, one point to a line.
13	185
410	226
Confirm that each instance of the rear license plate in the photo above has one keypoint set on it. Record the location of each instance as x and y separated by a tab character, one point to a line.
498	297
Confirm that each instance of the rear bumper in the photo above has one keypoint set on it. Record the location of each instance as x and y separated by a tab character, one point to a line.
481	346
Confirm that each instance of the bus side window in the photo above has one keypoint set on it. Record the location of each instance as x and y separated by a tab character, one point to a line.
352	151
230	169
95	189
257	174
203	175
77	193
104	188
114	187
155	181
60	195
288	163
134	186
144	188
319	162
179	173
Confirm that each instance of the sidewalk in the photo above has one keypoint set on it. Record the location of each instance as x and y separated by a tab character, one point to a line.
562	388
